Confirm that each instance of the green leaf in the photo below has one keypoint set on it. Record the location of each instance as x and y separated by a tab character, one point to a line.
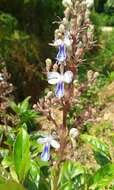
111	76
7	162
13	174
101	159
32	182
103	177
101	150
24	105
10	185
22	154
13	106
2	180
71	176
34	173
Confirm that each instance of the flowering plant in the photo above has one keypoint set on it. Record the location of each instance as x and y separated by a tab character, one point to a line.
48	158
72	39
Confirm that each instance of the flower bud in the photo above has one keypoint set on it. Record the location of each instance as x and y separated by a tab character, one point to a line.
87	14
55	67
83	4
47	101
50	94
77	3
65	21
62	28
60	35
67	12
89	3
41	100
73	133
79	20
34	106
48	64
67	3
73	21
61	68
96	74
89	75
75	82
56	33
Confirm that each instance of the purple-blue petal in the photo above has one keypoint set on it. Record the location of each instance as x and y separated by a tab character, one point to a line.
46	153
61	56
59	92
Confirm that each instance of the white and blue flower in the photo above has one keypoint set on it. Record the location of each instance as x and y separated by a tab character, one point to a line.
48	141
61	56
59	80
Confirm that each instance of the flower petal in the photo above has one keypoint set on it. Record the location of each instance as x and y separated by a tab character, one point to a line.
46	153
55	144
68	77
59	90
61	56
53	77
42	140
67	41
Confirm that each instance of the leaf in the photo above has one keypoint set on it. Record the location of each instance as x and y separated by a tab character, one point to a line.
32	182
2	180
13	174
111	76
25	104
101	159
103	177
7	162
101	150
34	173
13	106
10	185
22	154
71	175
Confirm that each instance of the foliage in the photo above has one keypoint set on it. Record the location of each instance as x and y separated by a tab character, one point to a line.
24	115
101	150
102	19
102	60
85	158
72	175
11	185
109	6
22	154
31	171
20	52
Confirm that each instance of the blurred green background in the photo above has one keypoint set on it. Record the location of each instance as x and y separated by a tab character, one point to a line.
26	29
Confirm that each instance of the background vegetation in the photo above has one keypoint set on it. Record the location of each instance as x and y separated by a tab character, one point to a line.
25	30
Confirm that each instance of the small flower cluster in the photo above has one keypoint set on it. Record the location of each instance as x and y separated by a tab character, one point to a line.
72	39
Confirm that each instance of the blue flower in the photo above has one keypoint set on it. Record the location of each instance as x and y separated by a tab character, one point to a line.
48	141
59	79
45	156
61	56
59	92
